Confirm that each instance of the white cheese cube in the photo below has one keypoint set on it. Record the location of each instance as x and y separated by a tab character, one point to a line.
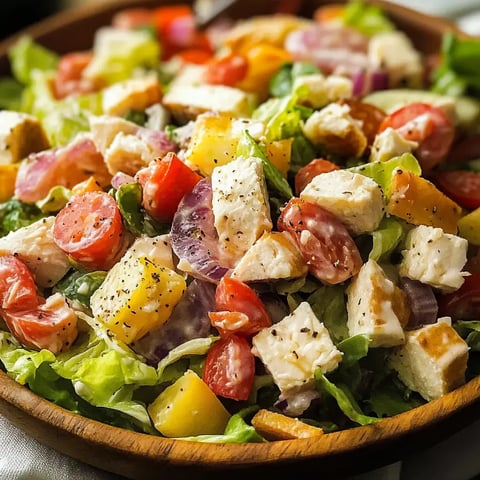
376	307
240	205
132	94
395	53
104	129
316	90
389	144
433	360
434	257
156	249
294	348
34	245
186	102
20	135
336	130
273	256
355	199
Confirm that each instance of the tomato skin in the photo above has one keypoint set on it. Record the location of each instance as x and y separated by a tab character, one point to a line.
17	285
68	78
311	170
90	230
465	150
228	70
464	303
230	368
52	325
427	125
462	186
330	252
234	296
165	182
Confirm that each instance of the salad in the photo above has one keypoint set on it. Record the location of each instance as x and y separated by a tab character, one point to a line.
261	231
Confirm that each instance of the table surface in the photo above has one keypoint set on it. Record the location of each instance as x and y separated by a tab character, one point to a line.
456	458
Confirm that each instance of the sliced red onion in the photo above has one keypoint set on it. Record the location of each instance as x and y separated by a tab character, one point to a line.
120	179
422	302
193	234
365	81
65	166
294	404
189	320
157	140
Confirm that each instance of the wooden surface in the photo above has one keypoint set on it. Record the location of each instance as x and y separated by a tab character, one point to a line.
139	456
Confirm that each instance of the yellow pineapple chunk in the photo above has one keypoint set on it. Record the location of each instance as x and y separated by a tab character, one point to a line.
137	296
188	407
8	175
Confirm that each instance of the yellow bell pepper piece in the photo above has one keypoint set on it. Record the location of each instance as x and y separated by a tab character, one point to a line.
279	153
469	227
188	407
8	175
420	202
136	296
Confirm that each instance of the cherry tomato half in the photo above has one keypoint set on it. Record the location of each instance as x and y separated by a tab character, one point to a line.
68	78
311	170
236	297
464	303
230	368
427	125
462	186
327	247
227	70
17	285
90	230
165	182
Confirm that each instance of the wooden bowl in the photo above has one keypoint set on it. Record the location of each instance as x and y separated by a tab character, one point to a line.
138	456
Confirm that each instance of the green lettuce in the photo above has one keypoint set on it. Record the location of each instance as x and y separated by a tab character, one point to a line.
15	214
386	238
55	200
10	94
79	286
281	83
368	19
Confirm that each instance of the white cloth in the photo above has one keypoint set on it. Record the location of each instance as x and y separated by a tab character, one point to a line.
22	458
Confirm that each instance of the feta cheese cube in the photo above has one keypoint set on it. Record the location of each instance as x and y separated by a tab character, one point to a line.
295	347
389	144
355	199
434	257
433	360
273	256
395	53
376	307
240	205
336	130
320	90
20	135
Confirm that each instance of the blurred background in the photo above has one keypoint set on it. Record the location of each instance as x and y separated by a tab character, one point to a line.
16	14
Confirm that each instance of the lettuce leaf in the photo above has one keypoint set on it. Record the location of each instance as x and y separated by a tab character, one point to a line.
368	19
15	214
386	238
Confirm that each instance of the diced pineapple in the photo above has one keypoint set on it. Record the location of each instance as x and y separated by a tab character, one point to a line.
215	139
8	174
136	297
188	407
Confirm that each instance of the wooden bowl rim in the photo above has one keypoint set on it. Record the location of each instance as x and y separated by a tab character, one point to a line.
180	452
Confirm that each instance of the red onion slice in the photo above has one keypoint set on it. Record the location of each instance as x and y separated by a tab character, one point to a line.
422	301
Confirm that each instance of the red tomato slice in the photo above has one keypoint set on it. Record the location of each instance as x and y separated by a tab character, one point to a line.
52	325
462	186
17	285
464	303
232	295
230	368
327	247
427	125
195	55
165	182
90	229
465	150
227	70
68	78
311	170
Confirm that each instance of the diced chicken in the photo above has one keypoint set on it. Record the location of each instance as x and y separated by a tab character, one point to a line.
20	135
355	199
133	94
104	128
376	307
434	257
272	257
157	249
334	128
294	348
186	102
34	245
433	360
240	205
